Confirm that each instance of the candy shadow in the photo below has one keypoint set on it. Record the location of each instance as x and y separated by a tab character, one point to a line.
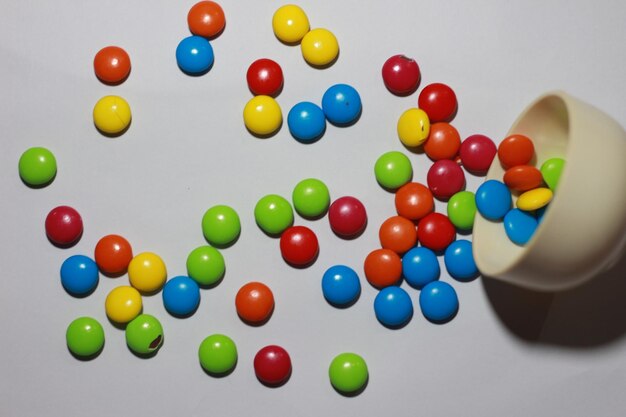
115	135
88	357
350	123
221	374
352	236
278	384
258	323
346	305
39	186
325	66
276	94
354	393
398	326
66	245
225	245
311	141
313	218
83	295
148	355
116	83
197	74
184	316
446	320
267	135
213	285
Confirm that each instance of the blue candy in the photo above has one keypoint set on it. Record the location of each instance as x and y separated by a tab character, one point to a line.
181	296
540	213
340	285
341	104
459	260
520	226
420	266
493	200
306	122
393	307
438	301
194	55
79	275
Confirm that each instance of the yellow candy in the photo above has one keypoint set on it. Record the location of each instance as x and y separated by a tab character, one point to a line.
262	115
123	304
534	199
413	127
319	47
147	272
111	115
290	23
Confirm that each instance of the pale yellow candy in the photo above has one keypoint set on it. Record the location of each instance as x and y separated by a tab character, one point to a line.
534	199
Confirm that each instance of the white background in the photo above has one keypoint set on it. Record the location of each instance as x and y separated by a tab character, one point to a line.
508	352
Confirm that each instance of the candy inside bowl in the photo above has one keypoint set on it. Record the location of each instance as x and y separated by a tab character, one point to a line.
583	231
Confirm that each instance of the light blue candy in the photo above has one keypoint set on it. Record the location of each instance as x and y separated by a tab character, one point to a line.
341	104
340	285
181	296
459	260
393	307
306	122
194	55
520	226
420	266
79	275
439	302
493	200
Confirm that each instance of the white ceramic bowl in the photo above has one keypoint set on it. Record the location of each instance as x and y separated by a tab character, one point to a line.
583	231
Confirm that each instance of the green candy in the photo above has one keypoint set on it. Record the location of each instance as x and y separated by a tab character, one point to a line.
348	373
221	225
217	354
37	166
85	337
205	265
273	214
311	198
462	209
144	334
393	170
551	172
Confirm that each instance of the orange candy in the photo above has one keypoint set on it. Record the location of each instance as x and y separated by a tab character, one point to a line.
414	201
515	150
443	142
398	234
113	253
254	303
523	178
206	19
111	65
383	267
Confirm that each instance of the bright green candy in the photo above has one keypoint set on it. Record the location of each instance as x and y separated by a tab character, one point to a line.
205	265
551	172
273	214
220	225
218	354
144	334
84	336
37	166
348	373
462	209
393	170
311	198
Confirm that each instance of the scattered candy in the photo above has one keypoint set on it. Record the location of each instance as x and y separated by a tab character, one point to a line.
311	198
393	170
393	307
218	355
443	142
37	167
398	234
551	172
383	267
520	226
493	200
435	231
438	101
123	304
64	226
414	201
299	246
146	272
347	217
113	254
273	214
262	116
206	265
181	296
341	104
401	75
111	115
206	19
111	65
194	55
144	334
515	150
445	178
522	178
319	47
272	365
534	199
462	210
290	23
459	261
420	267
306	122
85	337
438	302
477	153
265	77
79	275
254	303
340	285
221	225
348	373
413	127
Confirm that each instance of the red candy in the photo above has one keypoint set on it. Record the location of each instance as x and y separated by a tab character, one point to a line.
401	75
383	267
398	234
439	102
523	178
445	178
436	231
265	77
112	65
272	365
299	246
414	201
347	217
64	226
443	142
515	150
477	153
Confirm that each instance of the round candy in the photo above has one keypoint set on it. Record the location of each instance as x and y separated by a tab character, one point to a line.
340	285
306	122
319	47
420	266
311	198
551	171
111	115
383	267
459	261
290	23
439	302
254	303
393	170
445	178
348	373
265	77
113	254
522	178
273	214
462	210
206	18
64	226
534	199
37	167
85	337
414	201
393	307
413	127
112	65
477	153
262	116
79	275
443	142
181	296
341	104
123	304
520	226
146	272
438	101
435	231
493	200
218	354
221	225
272	365
398	234
206	265
401	75
194	55
347	217
515	150
144	334
299	246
